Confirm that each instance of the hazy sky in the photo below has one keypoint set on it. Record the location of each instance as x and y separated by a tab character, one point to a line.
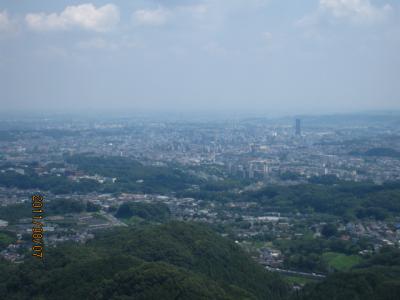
292	56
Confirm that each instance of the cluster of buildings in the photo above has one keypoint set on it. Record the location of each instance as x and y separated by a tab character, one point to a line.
256	149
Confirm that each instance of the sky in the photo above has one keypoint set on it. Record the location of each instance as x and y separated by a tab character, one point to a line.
280	56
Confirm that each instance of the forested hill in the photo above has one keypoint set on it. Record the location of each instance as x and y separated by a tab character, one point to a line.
375	279
171	261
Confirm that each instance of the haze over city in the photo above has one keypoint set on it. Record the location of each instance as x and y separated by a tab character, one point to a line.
200	55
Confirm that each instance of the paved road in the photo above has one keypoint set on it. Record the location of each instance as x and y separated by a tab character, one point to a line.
114	221
296	273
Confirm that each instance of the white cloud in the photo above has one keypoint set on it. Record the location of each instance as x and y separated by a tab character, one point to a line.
267	36
162	15
332	12
6	24
215	49
359	11
112	44
152	17
97	43
196	10
85	16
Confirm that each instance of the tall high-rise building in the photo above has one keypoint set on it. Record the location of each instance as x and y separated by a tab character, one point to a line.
298	127
251	171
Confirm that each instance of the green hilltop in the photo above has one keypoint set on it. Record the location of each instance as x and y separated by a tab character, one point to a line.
170	261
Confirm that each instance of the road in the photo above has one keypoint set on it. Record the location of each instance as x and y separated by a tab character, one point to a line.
113	220
296	273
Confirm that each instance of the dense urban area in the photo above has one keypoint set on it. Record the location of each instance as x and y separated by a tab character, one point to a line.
307	197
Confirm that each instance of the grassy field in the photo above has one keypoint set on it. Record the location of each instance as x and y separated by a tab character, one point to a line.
297	280
341	262
259	244
133	220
